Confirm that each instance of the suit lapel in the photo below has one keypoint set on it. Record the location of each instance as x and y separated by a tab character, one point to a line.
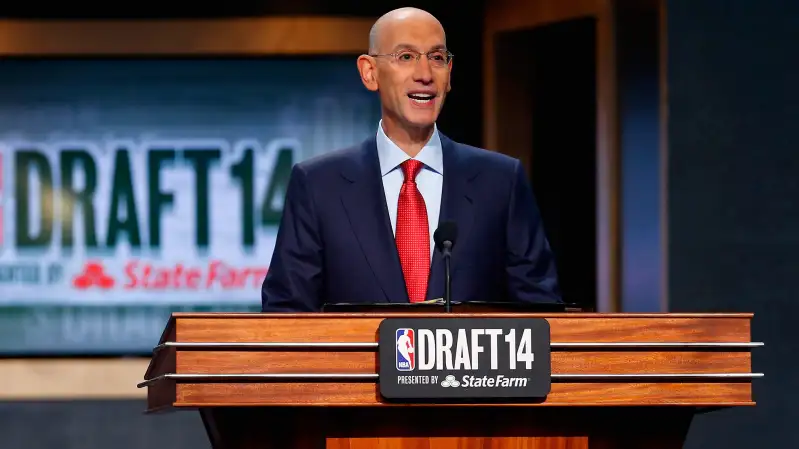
365	203
456	206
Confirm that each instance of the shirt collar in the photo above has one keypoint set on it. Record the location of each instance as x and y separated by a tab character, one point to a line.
391	156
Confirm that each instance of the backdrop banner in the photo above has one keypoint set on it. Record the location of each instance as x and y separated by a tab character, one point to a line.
133	188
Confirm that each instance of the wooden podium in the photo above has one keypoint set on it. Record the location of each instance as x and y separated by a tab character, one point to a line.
299	381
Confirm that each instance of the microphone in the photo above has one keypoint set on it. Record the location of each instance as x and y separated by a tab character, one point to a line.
445	237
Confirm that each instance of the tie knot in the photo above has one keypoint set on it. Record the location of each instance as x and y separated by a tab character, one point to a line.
410	169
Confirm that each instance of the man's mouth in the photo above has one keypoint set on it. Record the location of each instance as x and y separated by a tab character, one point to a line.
421	98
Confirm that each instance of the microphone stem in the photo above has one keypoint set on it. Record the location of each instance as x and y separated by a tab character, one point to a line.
447	283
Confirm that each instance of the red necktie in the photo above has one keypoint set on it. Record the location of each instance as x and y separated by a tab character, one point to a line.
413	234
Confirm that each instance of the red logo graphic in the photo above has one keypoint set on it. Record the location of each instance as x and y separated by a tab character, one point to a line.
93	274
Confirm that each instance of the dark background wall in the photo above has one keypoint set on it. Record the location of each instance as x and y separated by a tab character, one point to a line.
95	425
733	188
638	37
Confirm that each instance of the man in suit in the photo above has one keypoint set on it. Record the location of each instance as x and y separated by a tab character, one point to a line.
358	223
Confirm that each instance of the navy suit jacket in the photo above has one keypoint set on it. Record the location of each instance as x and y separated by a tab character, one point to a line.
336	245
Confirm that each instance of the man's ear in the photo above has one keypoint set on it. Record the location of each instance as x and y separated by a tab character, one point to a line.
368	71
449	79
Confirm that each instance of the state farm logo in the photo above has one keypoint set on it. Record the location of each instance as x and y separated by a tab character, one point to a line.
93	275
140	275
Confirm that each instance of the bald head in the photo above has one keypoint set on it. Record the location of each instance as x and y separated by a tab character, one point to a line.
409	66
398	17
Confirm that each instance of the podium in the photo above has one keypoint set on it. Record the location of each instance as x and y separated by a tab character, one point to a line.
304	381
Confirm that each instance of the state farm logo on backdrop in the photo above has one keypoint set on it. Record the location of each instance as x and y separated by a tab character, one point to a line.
93	275
147	276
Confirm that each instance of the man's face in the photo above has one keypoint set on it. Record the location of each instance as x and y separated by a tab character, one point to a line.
413	83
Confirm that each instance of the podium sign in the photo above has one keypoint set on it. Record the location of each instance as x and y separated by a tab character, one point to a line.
464	358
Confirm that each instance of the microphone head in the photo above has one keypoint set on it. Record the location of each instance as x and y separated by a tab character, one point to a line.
447	232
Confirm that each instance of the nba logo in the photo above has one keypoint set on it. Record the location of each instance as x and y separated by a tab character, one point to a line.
406	360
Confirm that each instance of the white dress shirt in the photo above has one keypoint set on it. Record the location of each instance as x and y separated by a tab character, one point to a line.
430	179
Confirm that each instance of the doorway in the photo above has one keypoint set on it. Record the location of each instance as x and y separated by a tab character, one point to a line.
546	106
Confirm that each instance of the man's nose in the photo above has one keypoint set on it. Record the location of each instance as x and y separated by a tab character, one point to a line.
423	73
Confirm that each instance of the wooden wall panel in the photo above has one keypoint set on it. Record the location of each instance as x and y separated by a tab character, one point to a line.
506	15
72	379
261	36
